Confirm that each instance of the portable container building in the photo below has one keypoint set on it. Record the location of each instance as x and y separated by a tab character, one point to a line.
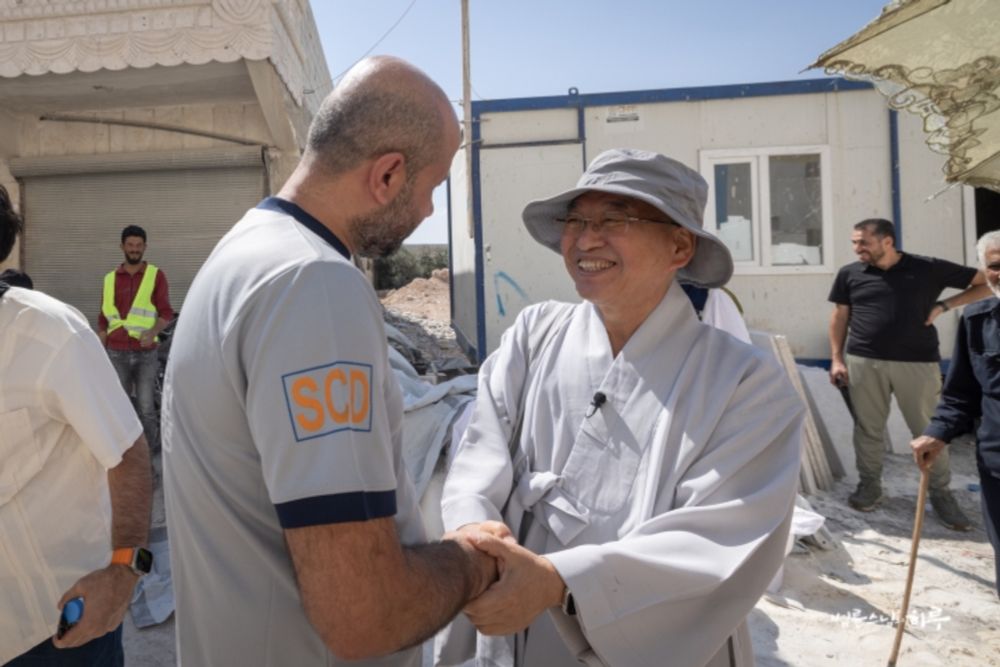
791	167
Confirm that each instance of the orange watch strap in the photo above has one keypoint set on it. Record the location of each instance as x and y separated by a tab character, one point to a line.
122	556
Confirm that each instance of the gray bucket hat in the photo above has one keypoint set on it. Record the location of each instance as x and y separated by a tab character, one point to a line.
665	184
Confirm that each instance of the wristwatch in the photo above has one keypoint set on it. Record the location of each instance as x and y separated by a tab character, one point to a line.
944	306
138	559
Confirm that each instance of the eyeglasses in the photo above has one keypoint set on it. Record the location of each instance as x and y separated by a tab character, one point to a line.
610	224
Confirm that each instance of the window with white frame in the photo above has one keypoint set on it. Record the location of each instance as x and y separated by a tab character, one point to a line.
771	207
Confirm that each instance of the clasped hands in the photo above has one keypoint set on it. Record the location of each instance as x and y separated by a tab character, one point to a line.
526	585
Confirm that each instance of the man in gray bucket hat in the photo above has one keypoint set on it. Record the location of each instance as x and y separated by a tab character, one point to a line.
677	192
645	463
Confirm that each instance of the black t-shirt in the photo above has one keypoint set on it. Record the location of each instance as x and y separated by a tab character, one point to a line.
889	308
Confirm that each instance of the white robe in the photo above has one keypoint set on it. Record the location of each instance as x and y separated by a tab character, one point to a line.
721	312
666	512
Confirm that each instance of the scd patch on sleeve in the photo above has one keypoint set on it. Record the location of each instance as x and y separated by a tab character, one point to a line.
327	399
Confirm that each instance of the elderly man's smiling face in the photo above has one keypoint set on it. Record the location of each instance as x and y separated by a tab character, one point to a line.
624	269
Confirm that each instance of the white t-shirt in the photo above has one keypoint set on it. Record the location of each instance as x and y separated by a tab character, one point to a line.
279	411
64	421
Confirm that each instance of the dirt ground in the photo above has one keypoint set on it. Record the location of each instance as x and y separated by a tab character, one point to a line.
424	299
834	607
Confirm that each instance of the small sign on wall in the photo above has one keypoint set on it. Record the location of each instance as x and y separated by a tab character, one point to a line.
623	113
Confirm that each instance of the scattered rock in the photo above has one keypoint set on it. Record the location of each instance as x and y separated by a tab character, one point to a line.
422	312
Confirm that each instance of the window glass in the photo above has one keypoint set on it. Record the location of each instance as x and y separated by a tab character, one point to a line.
796	209
734	209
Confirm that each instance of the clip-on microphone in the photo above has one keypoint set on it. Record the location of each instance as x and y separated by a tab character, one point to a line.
596	403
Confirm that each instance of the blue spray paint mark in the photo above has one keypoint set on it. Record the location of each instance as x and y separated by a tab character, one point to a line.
501	275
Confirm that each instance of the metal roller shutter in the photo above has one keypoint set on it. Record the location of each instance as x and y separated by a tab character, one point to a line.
74	222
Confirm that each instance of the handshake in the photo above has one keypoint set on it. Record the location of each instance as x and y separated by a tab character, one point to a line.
514	584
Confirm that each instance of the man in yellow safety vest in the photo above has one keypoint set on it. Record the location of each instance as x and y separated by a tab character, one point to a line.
134	309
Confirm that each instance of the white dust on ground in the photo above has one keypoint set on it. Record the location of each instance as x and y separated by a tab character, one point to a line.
836	607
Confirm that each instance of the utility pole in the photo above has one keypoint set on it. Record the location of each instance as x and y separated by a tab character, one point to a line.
467	113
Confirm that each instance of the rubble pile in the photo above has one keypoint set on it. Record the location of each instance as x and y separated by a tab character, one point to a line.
421	310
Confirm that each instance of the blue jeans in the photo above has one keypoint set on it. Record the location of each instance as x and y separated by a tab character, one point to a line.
137	369
104	651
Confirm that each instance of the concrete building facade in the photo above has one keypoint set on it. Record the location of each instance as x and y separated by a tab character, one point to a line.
177	115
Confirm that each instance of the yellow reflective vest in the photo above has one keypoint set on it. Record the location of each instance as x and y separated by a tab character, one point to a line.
142	314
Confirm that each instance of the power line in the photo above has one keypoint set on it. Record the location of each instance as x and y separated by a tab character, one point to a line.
379	41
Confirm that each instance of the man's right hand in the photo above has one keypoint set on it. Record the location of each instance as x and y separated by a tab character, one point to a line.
147	338
925	449
838	374
367	595
107	593
497	529
529	585
485	565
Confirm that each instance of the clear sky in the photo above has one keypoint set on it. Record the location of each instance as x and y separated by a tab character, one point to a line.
528	48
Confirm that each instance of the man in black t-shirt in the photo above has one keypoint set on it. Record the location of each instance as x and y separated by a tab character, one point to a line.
889	301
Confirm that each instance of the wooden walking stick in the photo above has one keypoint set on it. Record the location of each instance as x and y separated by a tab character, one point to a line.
918	523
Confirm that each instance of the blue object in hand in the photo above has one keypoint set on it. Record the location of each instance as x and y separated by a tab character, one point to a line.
72	612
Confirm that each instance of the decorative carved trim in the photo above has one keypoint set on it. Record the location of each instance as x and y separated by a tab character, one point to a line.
17	10
951	102
62	36
134	50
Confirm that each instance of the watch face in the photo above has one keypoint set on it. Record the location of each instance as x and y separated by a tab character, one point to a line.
143	560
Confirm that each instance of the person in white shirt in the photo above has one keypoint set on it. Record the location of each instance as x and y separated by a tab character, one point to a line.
75	488
645	462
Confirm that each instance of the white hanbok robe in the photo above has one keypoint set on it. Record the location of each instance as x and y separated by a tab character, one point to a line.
666	511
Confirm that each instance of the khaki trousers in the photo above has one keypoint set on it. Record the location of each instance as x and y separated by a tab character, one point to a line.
917	388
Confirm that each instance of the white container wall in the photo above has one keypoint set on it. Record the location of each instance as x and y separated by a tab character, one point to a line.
791	167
